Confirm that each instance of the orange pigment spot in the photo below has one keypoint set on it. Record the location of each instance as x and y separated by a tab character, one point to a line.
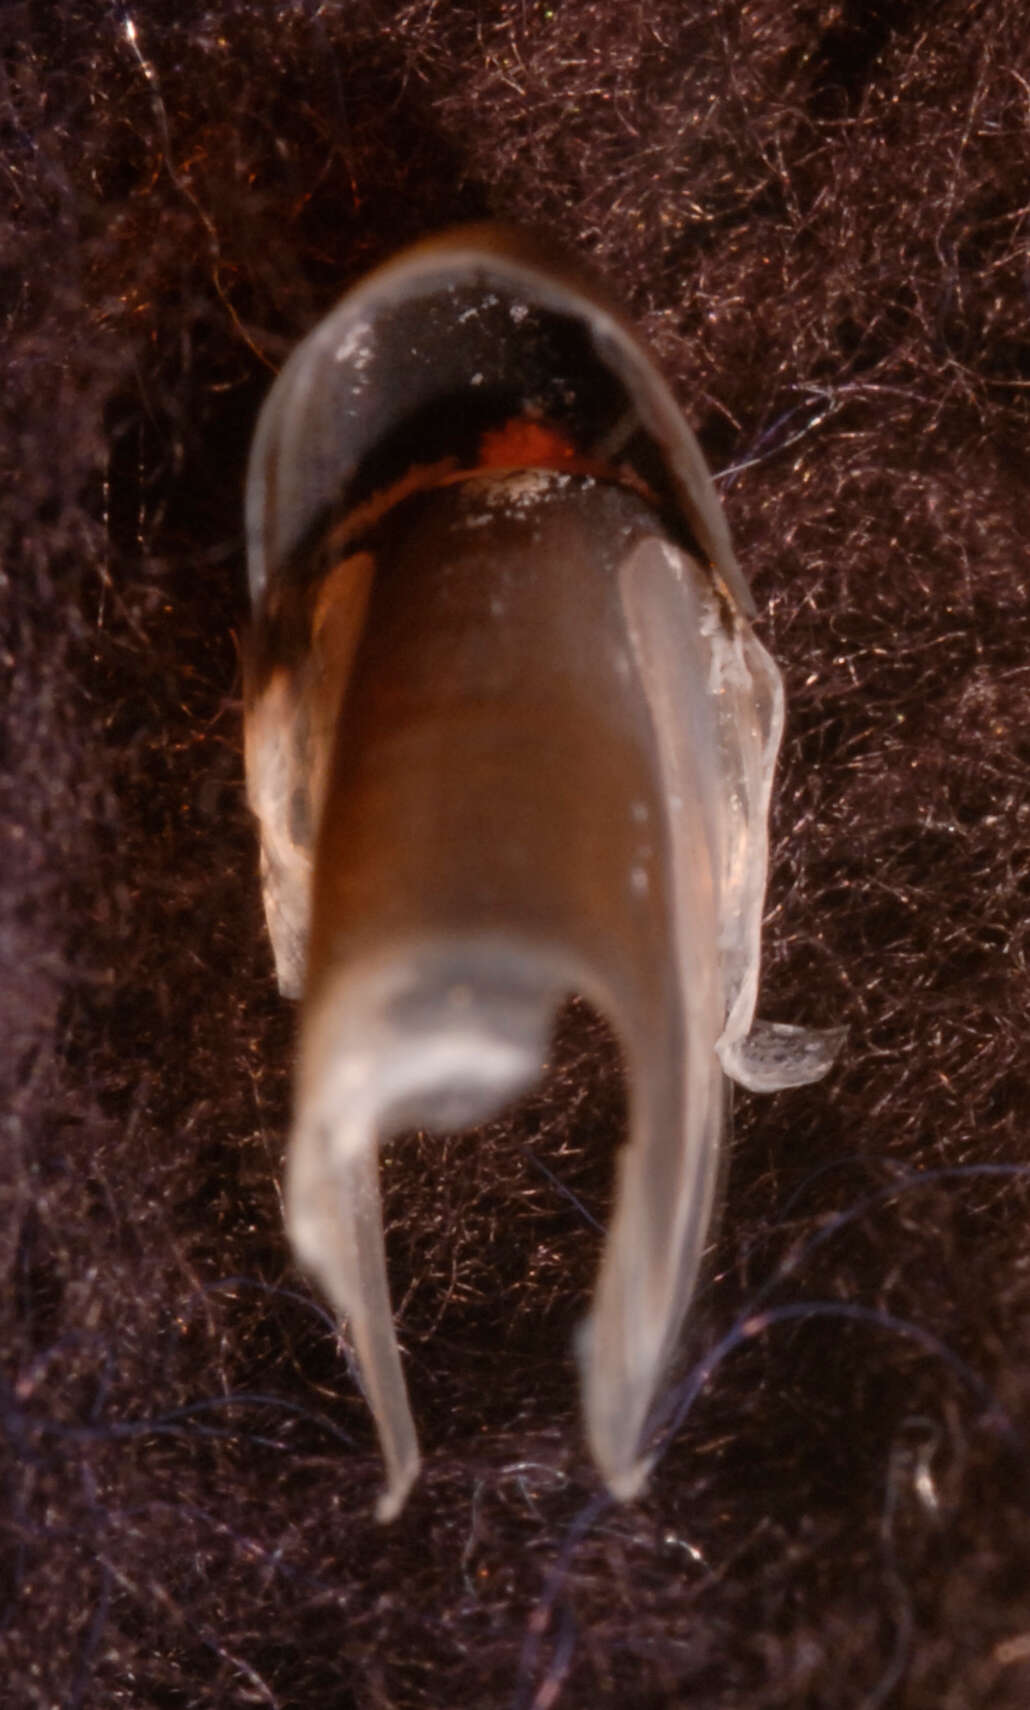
525	443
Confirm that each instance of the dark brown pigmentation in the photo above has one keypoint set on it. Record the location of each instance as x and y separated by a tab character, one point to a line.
817	214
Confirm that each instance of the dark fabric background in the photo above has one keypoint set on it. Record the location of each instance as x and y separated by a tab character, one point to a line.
819	214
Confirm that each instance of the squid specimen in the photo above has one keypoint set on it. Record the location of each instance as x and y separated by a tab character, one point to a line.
509	736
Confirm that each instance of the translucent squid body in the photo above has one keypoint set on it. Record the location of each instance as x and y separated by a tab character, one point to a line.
509	736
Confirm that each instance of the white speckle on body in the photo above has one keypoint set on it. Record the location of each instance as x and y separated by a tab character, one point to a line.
638	881
518	312
356	347
516	491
